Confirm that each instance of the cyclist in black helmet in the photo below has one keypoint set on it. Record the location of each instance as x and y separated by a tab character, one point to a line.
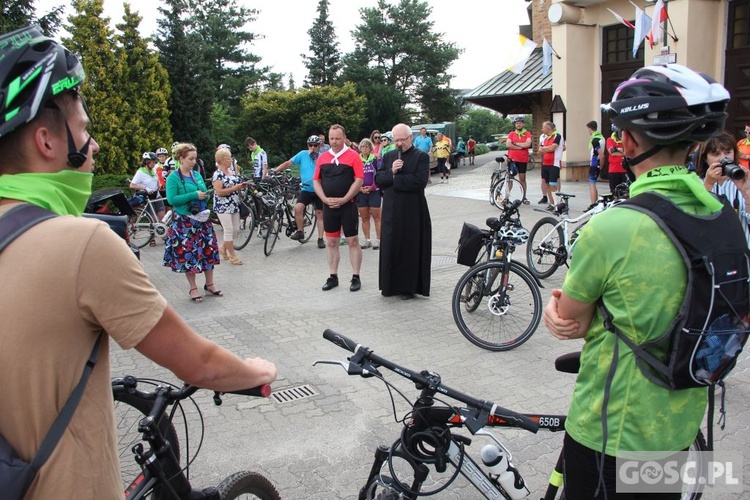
625	259
71	281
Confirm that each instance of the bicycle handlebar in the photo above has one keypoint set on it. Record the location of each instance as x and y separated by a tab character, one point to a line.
427	380
128	384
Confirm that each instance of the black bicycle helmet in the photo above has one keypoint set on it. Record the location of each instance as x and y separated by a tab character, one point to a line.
669	105
33	69
313	139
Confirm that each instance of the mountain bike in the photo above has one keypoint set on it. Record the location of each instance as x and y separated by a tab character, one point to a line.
513	307
504	186
429	444
552	239
155	470
283	216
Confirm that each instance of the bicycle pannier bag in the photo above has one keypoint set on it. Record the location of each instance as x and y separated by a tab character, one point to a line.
512	167
469	244
244	210
706	337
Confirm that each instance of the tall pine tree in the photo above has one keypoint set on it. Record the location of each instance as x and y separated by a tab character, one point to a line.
145	117
93	41
324	65
181	52
15	14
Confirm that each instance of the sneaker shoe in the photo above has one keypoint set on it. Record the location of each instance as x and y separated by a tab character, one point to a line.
342	241
356	284
297	236
365	244
447	180
542	201
375	244
550	208
331	282
321	243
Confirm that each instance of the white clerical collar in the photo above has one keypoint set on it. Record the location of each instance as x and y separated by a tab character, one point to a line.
336	155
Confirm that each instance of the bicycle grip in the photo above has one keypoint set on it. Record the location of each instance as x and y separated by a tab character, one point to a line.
516	419
339	340
262	391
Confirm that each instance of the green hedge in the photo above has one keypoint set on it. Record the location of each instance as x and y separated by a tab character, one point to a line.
112	180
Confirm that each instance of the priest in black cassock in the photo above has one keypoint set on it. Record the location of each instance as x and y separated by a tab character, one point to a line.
406	228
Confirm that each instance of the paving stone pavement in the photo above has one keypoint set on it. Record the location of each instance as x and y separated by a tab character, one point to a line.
321	447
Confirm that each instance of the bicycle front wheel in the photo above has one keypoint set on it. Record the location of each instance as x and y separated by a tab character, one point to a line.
141	228
508	191
248	483
497	310
129	410
245	231
309	222
545	247
274	227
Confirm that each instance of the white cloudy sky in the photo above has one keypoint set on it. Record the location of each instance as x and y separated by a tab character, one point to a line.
483	28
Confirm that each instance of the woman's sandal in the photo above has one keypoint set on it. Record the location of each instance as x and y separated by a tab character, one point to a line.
217	293
223	253
195	299
152	243
526	201
235	260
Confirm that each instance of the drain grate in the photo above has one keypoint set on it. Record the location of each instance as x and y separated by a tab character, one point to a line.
293	394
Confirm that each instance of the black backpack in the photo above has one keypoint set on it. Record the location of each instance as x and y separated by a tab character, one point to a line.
711	327
706	337
16	475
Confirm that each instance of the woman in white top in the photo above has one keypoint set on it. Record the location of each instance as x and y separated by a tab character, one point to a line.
145	180
737	191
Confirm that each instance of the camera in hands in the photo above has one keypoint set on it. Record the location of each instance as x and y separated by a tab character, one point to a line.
731	169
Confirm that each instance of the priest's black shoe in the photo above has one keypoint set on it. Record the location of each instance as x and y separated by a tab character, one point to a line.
356	284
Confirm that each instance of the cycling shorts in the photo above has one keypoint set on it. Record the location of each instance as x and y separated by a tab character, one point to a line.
521	166
346	217
593	174
550	174
307	197
369	200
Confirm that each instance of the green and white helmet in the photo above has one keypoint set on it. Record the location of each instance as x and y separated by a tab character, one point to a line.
33	69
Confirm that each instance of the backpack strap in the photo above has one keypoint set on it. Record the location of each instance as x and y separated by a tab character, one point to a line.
13	224
18	219
66	414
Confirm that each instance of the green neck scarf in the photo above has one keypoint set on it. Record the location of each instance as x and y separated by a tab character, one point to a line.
677	178
147	171
65	193
369	159
255	153
615	138
596	135
521	132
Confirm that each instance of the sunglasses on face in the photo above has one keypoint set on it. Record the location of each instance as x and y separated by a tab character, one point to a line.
376	137
384	139
313	145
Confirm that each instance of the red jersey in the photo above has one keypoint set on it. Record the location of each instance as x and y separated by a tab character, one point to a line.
615	162
336	173
519	155
552	158
470	144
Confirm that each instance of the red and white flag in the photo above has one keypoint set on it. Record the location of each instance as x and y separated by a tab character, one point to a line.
622	20
658	16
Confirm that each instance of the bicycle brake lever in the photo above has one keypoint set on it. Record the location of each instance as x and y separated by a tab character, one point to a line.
351	368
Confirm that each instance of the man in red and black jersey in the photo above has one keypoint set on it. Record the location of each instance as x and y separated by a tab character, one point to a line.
338	176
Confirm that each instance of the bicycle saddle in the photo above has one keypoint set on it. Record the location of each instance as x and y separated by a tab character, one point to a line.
568	363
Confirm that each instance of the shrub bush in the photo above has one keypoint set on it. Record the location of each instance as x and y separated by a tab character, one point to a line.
112	180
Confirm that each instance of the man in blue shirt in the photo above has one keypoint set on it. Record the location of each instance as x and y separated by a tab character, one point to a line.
423	141
305	160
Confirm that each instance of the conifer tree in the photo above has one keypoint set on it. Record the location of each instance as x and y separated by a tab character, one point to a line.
324	65
92	39
15	14
145	84
181	53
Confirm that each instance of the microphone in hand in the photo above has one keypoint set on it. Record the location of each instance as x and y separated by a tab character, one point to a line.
398	157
